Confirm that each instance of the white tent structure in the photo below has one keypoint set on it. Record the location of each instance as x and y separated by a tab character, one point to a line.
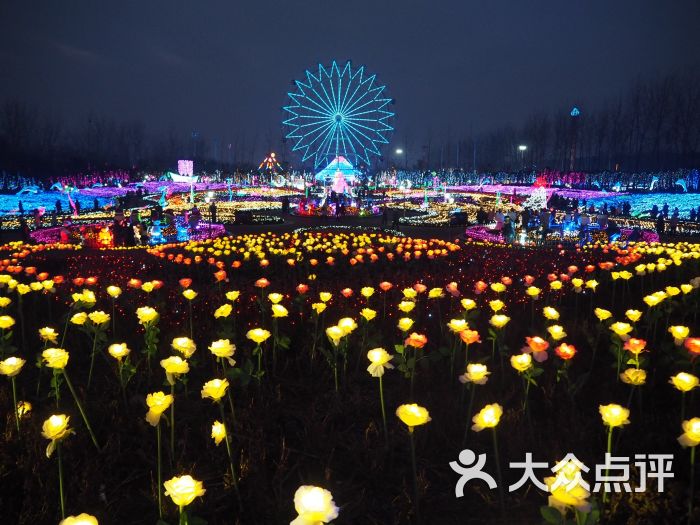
338	164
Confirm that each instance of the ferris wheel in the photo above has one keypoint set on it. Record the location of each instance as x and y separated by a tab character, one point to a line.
336	111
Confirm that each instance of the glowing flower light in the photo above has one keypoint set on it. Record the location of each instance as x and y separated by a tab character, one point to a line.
314	505
183	490
157	402
379	362
556	332
614	415
80	519
476	373
684	381
55	429
499	320
413	415
215	389
184	346
487	417
679	334
118	351
218	432
691	433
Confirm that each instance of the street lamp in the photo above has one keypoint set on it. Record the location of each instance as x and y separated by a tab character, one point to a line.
398	152
522	149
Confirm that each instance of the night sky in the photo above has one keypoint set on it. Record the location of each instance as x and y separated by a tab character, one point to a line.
224	68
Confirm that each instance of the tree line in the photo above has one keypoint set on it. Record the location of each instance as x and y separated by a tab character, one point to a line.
654	126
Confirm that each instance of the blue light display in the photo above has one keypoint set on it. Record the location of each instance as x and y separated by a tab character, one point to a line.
338	111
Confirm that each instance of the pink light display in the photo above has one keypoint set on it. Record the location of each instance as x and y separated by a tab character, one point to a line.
185	167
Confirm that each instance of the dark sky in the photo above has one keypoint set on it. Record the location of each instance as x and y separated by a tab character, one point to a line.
224	67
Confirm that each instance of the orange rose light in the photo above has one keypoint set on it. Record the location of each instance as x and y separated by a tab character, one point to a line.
416	340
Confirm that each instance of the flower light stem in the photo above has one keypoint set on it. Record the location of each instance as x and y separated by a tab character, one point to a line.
682	406
81	409
605	492
381	401
56	385
183	516
498	470
60	480
114	319
189	304
472	388
692	485
16	411
172	423
234	479
92	359
160	472
416	506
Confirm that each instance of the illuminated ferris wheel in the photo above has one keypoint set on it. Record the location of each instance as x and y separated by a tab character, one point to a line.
338	111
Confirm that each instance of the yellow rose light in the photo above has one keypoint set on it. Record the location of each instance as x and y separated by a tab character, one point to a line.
318	308
189	294
468	304
633	315
325	296
621	330
521	362
679	333
614	415
691	433
174	367
118	351
233	295
347	325
406	306
114	291
413	415
533	291
367	292
48	335
335	334
183	490
488	417
6	322
556	332
435	293
497	305
218	432
314	506
55	429
79	319
634	376
550	313
405	324
368	314
602	314
223	349
379	362
499	320
56	358
457	325
157	402
476	373
184	346
684	382
223	311
80	519
566	491
279	311
146	315
258	335
11	366
215	389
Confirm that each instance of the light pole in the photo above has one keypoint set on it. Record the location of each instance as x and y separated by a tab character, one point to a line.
399	152
522	149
